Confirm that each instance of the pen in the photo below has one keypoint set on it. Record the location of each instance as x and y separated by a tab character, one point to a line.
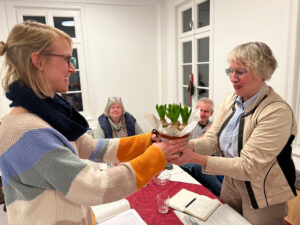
190	202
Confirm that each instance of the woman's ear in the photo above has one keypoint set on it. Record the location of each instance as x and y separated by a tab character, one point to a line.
36	61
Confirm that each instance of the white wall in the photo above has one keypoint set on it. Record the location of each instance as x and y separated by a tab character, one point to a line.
121	52
237	22
3	36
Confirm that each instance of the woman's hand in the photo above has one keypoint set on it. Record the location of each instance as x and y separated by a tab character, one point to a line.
172	149
189	156
155	136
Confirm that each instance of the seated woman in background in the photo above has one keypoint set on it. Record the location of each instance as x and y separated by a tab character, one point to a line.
115	122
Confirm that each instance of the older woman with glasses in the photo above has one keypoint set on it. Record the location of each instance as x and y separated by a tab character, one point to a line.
115	122
253	131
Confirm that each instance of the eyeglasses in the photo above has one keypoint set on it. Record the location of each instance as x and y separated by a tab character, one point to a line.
67	58
115	98
238	72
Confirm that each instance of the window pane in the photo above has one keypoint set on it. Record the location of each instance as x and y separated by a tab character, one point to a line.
203	50
74	84
186	19
75	59
186	97
65	24
203	75
74	99
186	74
202	93
187	52
40	19
203	14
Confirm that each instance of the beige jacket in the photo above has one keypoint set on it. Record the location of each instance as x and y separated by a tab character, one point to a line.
267	130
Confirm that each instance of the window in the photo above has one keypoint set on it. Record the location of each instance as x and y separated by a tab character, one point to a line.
67	21
40	19
194	45
74	96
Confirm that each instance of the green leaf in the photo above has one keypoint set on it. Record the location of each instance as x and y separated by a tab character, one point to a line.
161	110
173	112
185	114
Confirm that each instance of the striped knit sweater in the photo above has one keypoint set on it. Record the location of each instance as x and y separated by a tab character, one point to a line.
45	182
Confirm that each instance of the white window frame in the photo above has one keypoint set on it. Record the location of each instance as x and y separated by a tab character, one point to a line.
194	35
181	64
198	36
53	10
69	13
208	27
181	9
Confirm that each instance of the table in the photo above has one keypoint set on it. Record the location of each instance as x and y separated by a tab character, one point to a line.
144	201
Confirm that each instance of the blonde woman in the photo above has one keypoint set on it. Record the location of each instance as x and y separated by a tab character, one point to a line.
43	137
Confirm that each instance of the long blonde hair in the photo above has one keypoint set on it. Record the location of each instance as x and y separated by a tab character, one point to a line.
23	40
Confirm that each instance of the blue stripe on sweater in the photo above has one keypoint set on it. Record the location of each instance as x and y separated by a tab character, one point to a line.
99	152
34	143
55	170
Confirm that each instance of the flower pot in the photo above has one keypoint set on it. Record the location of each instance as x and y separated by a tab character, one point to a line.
165	137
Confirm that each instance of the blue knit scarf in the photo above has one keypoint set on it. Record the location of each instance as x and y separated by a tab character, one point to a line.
55	111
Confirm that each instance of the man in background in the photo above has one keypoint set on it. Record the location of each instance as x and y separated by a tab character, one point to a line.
206	108
211	182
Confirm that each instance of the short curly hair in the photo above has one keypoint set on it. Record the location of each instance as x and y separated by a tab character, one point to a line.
257	57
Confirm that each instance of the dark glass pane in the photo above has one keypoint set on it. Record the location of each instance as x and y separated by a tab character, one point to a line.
203	75
187	52
74	99
65	24
186	74
186	97
202	93
186	20
75	59
74	84
203	50
40	19
203	14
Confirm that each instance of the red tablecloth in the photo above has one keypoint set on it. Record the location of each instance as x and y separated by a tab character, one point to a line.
144	201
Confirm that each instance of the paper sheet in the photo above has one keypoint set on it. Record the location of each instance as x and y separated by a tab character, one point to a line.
129	217
108	210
